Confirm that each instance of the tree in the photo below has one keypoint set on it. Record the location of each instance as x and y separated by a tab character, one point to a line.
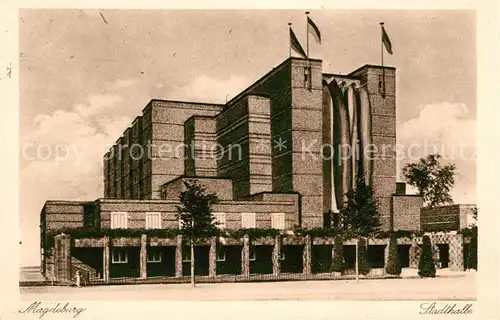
338	263
359	215
472	256
432	179
471	262
426	266
393	266
195	216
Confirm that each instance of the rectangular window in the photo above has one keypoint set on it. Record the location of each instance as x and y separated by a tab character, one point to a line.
278	221
119	256
220	217
186	254
248	220
221	254
153	220
306	77
119	220
154	255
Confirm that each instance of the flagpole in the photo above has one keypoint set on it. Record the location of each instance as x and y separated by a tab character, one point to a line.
382	43
309	81
307	34
289	40
382	56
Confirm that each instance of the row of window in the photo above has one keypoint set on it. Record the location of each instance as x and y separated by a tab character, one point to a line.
155	256
119	220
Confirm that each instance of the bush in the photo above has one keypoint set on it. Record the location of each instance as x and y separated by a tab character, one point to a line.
393	266
338	263
426	267
363	264
472	256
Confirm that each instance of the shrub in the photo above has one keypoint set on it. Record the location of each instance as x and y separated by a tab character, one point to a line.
338	263
426	267
363	264
393	266
472	256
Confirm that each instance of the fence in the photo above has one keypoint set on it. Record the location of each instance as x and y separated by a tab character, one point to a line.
348	274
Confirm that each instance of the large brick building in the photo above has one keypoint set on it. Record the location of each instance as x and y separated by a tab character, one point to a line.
270	142
271	154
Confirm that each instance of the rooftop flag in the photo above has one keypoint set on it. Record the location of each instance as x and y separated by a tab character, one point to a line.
386	41
314	30
295	44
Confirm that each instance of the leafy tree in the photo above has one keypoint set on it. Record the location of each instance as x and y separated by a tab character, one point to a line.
393	266
432	179
195	215
360	218
472	256
360	213
426	266
471	262
338	263
363	263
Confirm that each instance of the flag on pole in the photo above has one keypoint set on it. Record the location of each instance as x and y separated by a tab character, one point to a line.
386	41
295	44
314	30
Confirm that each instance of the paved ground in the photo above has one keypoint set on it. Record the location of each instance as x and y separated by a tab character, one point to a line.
30	274
449	286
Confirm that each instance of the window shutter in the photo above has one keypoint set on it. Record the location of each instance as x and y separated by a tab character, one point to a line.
278	221
119	220
153	220
248	220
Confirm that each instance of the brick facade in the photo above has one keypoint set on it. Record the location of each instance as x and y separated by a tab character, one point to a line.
65	266
287	105
446	218
261	153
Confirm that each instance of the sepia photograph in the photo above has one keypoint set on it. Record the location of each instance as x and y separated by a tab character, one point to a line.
225	155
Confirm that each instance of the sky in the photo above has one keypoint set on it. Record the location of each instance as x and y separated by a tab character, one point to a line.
86	74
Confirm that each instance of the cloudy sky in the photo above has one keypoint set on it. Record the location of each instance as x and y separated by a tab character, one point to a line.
86	76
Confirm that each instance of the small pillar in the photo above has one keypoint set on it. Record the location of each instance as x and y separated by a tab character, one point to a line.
306	256
414	254
62	258
178	257
212	258
456	252
245	256
276	258
105	259
435	255
143	263
386	252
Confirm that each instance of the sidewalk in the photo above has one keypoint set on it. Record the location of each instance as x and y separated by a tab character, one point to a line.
442	287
